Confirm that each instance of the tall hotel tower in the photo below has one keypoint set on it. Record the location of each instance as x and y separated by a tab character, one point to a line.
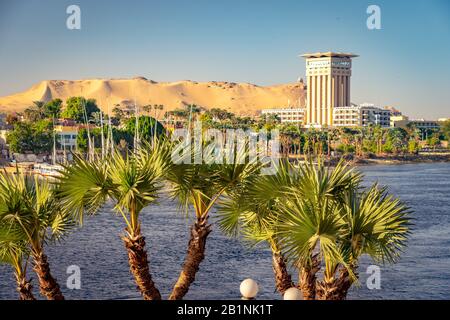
328	84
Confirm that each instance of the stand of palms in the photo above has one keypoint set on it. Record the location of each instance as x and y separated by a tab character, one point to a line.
312	217
31	216
315	217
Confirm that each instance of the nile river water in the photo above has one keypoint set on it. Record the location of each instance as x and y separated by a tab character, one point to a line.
422	273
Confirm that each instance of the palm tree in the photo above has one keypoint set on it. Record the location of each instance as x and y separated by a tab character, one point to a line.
375	224
132	181
16	253
201	185
254	211
306	233
35	112
193	111
379	135
160	108
333	134
317	185
30	211
397	137
117	112
147	108
286	143
333	225
250	211
358	134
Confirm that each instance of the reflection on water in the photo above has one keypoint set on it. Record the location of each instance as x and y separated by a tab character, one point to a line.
422	273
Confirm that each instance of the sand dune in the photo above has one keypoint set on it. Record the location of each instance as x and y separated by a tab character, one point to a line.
240	98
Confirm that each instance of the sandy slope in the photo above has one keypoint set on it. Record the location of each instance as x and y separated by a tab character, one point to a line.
240	98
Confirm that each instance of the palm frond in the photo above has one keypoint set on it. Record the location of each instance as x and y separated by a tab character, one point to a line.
84	186
378	224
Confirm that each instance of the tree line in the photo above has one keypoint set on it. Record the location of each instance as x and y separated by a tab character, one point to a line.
34	134
33	130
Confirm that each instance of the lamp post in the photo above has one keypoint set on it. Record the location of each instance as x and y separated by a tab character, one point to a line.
293	294
249	289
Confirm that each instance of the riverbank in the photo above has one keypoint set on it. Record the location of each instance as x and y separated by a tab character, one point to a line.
384	159
26	167
401	159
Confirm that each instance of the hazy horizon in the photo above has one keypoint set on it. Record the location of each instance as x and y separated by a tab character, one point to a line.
404	65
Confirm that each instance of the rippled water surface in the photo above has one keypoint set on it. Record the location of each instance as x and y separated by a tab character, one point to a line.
422	273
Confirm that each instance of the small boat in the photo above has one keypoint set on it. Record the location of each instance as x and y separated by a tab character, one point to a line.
47	170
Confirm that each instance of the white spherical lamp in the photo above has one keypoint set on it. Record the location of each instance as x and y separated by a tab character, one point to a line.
292	294
249	289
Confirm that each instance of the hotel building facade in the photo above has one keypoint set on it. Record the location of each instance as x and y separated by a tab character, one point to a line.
328	101
362	115
328	86
425	124
287	115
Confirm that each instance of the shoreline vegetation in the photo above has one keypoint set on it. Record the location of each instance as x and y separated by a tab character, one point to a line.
392	159
35	132
352	160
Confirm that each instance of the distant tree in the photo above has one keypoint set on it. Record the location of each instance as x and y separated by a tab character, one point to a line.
396	140
82	141
180	114
147	127
118	135
20	138
35	112
41	110
117	115
206	118
117	112
434	141
96	118
387	147
75	108
194	109
11	119
220	114
36	137
158	109
446	129
43	136
147	108
52	109
413	146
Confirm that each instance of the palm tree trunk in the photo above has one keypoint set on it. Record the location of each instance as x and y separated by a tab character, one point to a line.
307	279
195	255
139	267
47	284
345	282
307	284
327	290
283	280
24	288
337	288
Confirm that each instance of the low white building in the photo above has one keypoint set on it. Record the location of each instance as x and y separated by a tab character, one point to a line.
361	115
66	136
287	115
425	124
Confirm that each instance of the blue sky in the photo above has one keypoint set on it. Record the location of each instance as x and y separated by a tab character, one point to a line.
406	64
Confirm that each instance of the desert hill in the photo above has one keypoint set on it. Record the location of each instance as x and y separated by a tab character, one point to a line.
239	98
